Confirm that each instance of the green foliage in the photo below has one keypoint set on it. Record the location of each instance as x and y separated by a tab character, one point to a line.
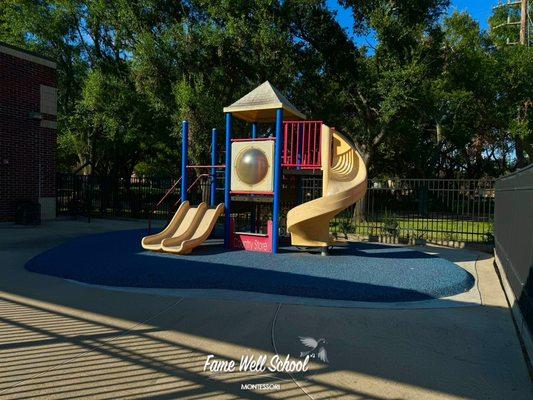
390	224
489	233
436	96
516	98
346	227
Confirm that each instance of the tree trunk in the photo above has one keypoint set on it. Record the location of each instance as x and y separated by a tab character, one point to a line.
521	160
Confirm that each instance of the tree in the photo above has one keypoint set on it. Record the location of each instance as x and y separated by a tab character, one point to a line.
515	99
387	97
466	94
435	97
515	91
130	71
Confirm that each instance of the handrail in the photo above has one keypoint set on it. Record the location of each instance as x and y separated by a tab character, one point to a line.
196	180
206	166
261	139
192	185
168	192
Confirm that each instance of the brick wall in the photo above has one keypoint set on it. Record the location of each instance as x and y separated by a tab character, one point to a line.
27	137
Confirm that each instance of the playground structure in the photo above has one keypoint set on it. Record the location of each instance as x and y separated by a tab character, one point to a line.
254	172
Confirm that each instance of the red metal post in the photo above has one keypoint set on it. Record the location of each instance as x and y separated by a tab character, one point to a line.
284	152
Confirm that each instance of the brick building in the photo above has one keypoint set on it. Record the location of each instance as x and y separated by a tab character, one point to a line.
28	108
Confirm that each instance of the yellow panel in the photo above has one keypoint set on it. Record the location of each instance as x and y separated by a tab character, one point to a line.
252	166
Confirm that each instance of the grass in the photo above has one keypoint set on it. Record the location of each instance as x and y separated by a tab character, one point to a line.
427	228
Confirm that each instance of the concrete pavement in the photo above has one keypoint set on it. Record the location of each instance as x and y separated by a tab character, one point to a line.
59	339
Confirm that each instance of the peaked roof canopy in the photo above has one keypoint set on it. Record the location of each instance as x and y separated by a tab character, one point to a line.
261	103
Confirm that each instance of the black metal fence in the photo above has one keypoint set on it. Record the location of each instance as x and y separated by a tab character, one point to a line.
447	211
104	197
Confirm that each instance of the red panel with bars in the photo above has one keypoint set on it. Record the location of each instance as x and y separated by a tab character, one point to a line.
301	144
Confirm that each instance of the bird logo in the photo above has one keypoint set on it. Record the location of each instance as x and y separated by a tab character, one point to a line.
315	346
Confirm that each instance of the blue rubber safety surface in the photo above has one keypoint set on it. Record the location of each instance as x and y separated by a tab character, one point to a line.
359	272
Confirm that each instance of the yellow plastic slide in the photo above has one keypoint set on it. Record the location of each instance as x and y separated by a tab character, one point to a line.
344	183
181	227
201	233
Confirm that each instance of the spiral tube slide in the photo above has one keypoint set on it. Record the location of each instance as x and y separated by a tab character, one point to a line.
344	183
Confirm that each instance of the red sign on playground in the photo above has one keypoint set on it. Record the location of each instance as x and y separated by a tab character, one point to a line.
252	241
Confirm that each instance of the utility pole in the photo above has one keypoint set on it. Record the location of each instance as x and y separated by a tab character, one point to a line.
523	23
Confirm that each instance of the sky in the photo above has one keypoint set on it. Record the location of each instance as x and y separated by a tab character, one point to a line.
480	10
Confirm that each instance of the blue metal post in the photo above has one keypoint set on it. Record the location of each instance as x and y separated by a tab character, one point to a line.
214	156
277	179
253	216
227	184
184	158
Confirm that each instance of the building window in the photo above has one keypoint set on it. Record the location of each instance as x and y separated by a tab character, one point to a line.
48	100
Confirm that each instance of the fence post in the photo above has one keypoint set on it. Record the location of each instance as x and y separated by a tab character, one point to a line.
89	197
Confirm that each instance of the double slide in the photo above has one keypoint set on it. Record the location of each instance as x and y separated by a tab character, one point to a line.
189	228
343	184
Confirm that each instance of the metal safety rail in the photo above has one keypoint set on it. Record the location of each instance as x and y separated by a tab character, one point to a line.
154	209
